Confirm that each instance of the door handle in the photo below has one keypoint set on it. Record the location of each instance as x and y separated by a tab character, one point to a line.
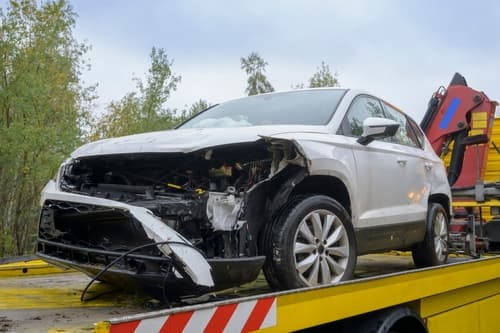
401	161
428	166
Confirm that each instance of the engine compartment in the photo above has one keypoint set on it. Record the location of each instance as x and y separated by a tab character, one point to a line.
209	207
202	195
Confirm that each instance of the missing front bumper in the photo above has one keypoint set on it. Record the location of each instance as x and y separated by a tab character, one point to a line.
87	234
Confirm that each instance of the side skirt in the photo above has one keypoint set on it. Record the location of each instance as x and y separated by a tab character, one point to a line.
389	237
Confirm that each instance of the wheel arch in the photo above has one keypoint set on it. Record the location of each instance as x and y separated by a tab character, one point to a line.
443	200
398	319
330	186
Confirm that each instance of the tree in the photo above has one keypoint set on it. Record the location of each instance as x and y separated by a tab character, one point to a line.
297	86
324	78
145	109
43	110
194	109
255	67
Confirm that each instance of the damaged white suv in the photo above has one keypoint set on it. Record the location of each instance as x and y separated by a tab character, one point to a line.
295	183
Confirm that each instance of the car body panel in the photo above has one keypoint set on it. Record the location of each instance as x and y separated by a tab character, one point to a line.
186	140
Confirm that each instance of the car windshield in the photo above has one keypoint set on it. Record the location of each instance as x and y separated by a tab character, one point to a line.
305	107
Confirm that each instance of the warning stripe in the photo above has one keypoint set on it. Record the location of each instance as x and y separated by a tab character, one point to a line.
220	318
240	316
176	323
151	325
258	315
199	319
237	317
270	319
128	327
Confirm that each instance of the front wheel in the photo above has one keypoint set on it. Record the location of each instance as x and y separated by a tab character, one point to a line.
313	243
433	250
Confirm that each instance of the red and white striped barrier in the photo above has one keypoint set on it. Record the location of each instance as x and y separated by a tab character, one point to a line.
237	317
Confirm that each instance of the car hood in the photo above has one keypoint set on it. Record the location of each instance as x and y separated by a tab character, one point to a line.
187	140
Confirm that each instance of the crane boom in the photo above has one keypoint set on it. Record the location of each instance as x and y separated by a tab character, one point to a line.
457	117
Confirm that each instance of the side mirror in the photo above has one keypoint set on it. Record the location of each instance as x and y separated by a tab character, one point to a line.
377	128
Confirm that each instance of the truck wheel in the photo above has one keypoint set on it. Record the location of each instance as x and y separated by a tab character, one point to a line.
313	243
391	320
434	249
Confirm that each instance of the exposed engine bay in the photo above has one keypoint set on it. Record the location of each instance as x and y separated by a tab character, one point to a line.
215	198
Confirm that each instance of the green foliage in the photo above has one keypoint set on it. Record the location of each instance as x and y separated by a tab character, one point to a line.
324	78
194	109
43	110
145	109
255	67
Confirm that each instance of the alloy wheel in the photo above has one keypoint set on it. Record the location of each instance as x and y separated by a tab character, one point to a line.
321	248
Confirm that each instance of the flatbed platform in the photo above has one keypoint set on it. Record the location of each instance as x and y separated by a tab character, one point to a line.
50	301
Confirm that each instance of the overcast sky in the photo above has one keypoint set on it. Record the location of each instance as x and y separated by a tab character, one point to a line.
398	50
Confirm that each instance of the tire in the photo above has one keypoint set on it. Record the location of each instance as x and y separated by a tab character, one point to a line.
312	243
433	250
267	244
399	319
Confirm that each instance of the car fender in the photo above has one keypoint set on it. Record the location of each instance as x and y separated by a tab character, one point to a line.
321	155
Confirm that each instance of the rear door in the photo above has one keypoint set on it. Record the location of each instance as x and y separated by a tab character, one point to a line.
418	176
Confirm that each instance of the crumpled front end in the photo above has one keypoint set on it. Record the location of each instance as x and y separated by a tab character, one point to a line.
182	223
87	233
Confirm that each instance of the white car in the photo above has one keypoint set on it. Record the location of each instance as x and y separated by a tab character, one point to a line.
296	183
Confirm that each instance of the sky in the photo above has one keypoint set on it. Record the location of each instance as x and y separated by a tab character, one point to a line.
401	51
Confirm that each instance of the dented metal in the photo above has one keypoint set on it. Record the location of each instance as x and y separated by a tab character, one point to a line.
195	265
214	204
213	193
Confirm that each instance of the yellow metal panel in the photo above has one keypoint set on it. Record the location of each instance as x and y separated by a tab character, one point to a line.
489	203
430	306
476	131
484	206
481	124
479	116
479	120
492	173
102	327
474	280
298	310
30	267
16	294
488	315
461	320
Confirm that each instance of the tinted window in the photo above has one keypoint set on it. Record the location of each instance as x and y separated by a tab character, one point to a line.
307	107
405	134
363	107
418	132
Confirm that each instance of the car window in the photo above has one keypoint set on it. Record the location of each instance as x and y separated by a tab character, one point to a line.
419	135
301	107
361	108
405	134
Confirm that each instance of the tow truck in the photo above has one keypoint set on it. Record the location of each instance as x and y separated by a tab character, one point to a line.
388	293
459	125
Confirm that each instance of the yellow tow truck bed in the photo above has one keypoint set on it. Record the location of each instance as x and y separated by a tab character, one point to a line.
462	294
